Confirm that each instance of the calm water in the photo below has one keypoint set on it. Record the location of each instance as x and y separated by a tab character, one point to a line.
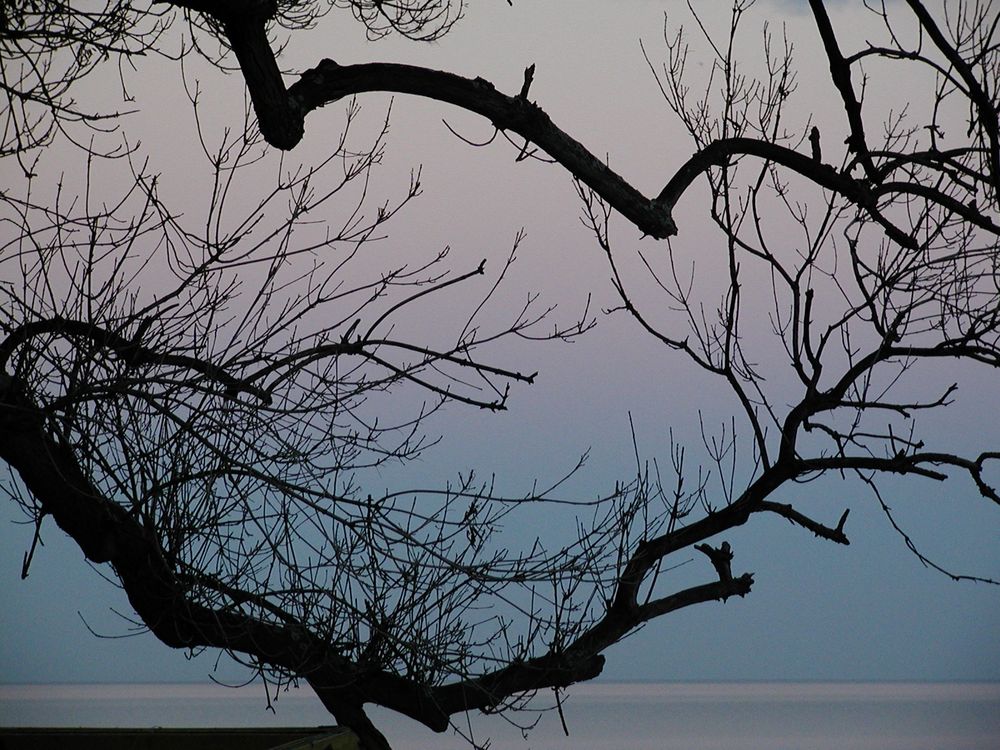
681	716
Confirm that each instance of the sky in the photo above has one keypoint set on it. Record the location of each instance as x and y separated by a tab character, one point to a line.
817	611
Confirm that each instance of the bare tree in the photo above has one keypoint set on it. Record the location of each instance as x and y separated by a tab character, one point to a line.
206	439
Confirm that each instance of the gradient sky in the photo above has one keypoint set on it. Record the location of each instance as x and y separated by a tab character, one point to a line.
817	611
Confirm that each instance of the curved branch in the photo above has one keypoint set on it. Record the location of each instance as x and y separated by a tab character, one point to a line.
968	213
107	533
248	36
329	82
834	397
130	351
840	72
720	152
582	659
282	119
786	510
986	112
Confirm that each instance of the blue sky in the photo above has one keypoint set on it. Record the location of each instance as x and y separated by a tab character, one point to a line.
818	611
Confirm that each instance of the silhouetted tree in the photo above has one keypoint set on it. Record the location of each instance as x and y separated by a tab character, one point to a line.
205	436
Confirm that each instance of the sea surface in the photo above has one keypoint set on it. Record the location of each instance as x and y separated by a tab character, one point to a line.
630	716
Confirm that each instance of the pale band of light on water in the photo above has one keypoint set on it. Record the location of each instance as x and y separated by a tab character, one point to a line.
637	716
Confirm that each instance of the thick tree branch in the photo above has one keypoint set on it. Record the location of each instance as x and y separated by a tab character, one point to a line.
901	463
970	214
835	396
720	152
986	112
582	659
248	36
281	115
708	592
840	72
799	519
130	351
107	533
329	82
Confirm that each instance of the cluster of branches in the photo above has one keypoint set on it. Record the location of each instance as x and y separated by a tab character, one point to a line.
195	406
48	46
896	269
207	436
